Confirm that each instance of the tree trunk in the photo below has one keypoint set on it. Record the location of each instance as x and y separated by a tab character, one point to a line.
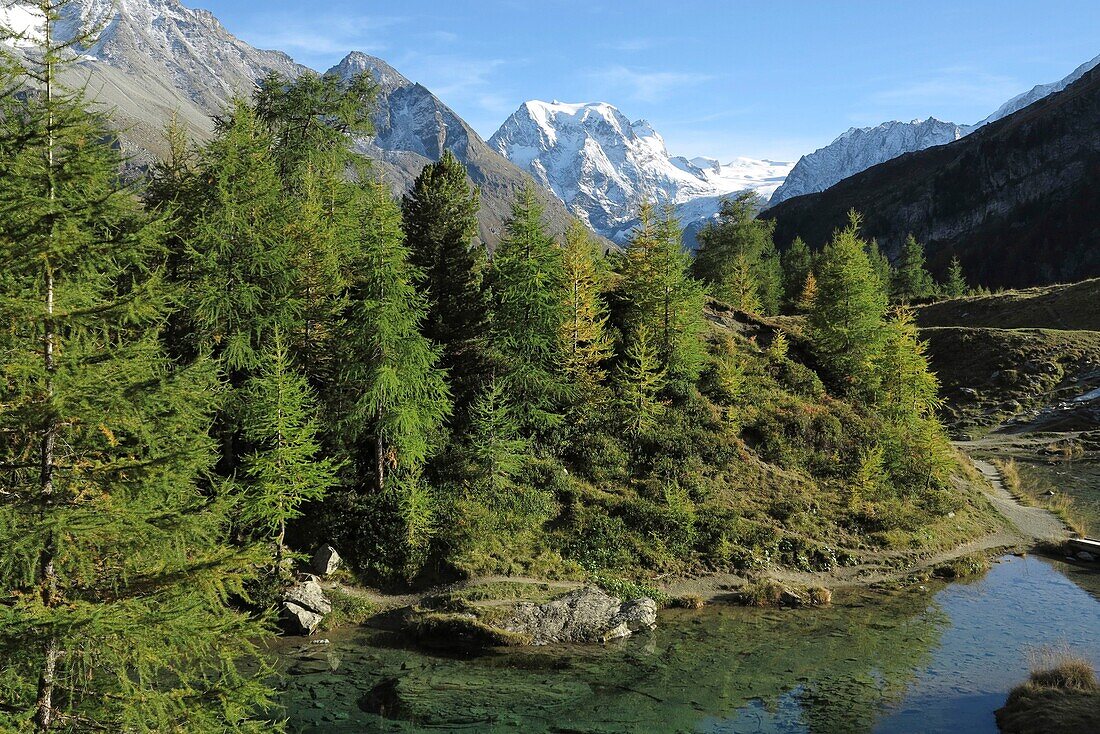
380	464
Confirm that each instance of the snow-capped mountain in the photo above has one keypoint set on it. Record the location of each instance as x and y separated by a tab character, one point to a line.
1038	92
412	127
602	165
860	148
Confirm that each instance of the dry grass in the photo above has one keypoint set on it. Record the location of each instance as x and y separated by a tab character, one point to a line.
1061	697
1035	494
1060	667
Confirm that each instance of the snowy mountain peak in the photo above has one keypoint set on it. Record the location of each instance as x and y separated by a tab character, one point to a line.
602	166
860	148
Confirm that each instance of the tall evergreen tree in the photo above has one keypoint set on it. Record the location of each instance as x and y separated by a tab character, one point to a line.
911	279
658	293
587	345
846	320
528	297
738	238
391	394
113	577
285	469
312	117
638	383
440	219
797	264
239	264
955	286
880	264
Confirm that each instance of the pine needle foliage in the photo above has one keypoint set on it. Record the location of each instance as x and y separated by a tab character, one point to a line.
527	302
912	281
114	578
657	292
584	332
440	221
392	394
955	286
638	384
285	469
846	320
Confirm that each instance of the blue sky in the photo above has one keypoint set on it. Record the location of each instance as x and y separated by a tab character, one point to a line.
770	78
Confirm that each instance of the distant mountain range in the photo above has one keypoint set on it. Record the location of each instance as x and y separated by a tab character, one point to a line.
860	148
602	165
157	59
1015	200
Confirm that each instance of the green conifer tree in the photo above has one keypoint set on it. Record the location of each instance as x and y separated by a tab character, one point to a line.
846	319
285	469
955	286
114	577
239	270
391	394
911	279
797	265
657	292
738	238
638	383
527	298
440	217
879	263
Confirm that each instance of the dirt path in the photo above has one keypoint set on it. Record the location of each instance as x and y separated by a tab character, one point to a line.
1024	527
1032	522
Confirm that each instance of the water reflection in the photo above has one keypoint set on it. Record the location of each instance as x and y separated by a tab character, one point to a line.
931	660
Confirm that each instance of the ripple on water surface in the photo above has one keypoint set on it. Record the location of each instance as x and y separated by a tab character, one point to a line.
903	662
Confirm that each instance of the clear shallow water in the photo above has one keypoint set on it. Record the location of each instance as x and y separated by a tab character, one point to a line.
935	660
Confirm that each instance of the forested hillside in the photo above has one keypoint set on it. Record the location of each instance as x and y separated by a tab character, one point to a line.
258	349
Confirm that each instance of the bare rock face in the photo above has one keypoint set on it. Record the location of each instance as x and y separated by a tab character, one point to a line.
585	615
326	560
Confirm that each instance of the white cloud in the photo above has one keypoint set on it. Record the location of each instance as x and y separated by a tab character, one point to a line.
645	86
949	85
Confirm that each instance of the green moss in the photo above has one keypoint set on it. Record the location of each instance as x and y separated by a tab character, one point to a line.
460	632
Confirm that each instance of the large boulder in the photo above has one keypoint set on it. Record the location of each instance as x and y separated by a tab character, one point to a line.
300	620
325	560
309	595
588	614
304	606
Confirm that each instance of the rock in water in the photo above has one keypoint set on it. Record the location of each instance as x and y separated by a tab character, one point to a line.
325	560
585	615
299	619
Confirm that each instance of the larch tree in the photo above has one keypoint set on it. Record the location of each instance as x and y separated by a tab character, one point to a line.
736	257
390	396
955	286
797	265
657	292
114	579
285	468
392	388
638	382
527	302
846	319
584	332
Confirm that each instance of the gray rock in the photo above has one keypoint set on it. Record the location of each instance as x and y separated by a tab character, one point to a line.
584	615
325	560
308	595
1085	556
300	619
